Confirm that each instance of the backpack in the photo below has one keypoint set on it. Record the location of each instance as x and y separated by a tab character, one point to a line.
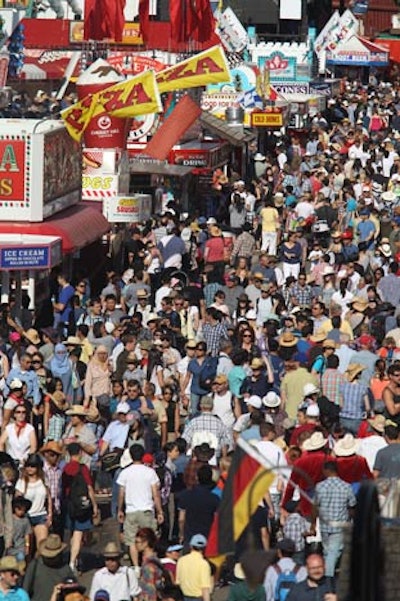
80	505
285	583
163	577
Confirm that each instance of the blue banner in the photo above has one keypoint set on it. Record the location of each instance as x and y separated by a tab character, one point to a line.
24	257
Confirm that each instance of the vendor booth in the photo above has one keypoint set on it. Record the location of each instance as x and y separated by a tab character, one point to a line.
357	52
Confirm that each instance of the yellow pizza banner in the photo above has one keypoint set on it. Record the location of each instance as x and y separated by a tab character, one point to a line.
136	96
205	68
77	117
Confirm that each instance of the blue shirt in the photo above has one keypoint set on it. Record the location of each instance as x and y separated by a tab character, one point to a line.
64	297
116	435
364	229
29	378
14	594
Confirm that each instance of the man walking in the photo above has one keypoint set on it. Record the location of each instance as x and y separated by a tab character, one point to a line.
193	572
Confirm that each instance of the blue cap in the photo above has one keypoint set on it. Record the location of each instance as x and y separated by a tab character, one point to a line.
173	548
364	212
202	221
102	595
199	541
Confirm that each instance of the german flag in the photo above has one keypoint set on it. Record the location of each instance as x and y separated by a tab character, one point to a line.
248	480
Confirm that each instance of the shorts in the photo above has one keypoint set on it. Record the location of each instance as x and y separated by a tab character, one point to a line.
136	520
78	525
38	520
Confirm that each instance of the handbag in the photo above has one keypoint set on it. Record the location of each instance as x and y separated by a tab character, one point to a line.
111	459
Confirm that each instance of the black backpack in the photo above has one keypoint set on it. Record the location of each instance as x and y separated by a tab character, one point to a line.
79	505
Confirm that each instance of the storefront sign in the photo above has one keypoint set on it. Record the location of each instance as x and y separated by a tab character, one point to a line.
267	119
98	187
128	209
12	171
30	257
292	88
214	156
280	67
130	34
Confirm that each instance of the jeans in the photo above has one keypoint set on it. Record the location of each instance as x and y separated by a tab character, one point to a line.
332	545
194	402
351	425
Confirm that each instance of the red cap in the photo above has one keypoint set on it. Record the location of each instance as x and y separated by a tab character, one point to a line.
366	340
347	235
148	458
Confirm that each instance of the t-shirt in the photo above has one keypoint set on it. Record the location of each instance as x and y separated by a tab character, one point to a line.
21	529
269	219
387	461
64	297
36	493
200	505
138	481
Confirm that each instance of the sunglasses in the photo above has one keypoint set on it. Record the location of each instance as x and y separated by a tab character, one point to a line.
20	411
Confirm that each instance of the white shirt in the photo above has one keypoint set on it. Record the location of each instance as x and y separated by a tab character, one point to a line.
121	585
138	481
36	493
223	408
276	458
160	294
368	448
182	370
304	210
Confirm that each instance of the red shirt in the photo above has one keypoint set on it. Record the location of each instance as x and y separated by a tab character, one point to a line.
215	248
307	472
353	469
70	470
294	439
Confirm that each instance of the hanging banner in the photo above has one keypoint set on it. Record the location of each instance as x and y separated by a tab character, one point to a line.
337	30
207	67
136	96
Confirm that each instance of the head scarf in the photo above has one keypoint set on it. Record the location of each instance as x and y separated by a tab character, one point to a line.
60	363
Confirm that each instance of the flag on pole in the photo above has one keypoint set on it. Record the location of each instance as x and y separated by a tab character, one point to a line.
249	478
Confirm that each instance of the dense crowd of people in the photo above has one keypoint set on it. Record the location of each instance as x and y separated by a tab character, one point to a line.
273	319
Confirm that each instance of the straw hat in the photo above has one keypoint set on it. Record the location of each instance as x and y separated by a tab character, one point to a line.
52	546
215	231
142	293
33	336
318	337
112	550
346	446
287	339
9	563
359	304
91	414
53	446
377	423
73	341
153	317
329	344
353	370
315	442
257	363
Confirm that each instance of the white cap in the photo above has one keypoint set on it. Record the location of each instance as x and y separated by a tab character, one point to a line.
312	410
15	384
255	401
122	408
109	326
211	221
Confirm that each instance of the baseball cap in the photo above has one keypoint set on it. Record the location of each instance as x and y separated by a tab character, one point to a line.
102	595
286	545
173	548
255	401
122	408
198	540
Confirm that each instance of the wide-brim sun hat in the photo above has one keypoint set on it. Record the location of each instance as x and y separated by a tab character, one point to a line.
315	442
353	370
346	446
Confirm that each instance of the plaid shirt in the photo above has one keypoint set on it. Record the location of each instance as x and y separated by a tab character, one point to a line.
302	294
52	476
244	246
294	528
213	335
353	394
332	381
333	497
209	424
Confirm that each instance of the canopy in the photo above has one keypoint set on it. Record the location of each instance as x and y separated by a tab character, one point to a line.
358	52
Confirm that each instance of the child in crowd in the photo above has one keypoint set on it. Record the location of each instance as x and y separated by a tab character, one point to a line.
295	528
133	371
22	529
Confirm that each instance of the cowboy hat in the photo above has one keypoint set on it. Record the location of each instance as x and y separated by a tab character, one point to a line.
257	363
359	304
271	399
33	336
142	293
287	339
318	337
91	414
353	370
259	157
112	550
73	341
315	442
153	317
50	333
51	546
385	249
389	196
329	344
310	388
203	452
9	564
346	446
52	446
377	423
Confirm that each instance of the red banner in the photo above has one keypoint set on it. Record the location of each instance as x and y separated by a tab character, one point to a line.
12	171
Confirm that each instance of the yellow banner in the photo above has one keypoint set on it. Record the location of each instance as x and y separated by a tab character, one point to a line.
136	96
76	117
205	68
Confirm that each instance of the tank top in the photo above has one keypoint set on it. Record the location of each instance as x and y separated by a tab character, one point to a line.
394	418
